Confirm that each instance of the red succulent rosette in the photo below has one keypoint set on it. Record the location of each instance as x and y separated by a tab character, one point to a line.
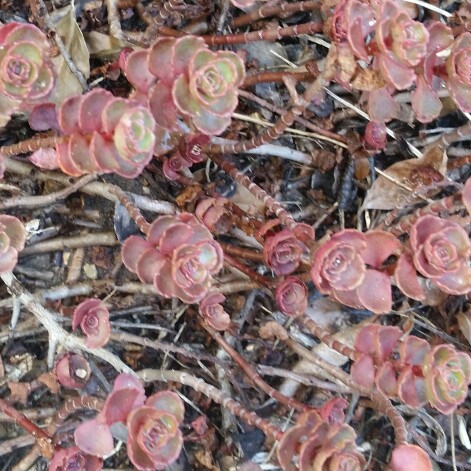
179	257
282	252
94	320
440	252
320	445
154	436
347	268
402	44
291	296
458	66
105	134
94	436
447	374
27	76
72	370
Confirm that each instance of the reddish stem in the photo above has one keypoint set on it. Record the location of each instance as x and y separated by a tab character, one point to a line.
265	35
30	145
43	440
284	9
263	77
261	280
325	337
241	253
253	375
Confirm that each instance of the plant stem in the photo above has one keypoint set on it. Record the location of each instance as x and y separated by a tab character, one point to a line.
261	280
56	333
234	407
29	145
43	440
325	337
264	35
253	375
283	9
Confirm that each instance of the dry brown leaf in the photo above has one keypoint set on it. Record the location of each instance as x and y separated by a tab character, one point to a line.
205	458
49	380
104	46
367	80
19	392
418	175
70	33
464	323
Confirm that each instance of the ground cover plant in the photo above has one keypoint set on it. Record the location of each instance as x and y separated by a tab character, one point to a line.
235	235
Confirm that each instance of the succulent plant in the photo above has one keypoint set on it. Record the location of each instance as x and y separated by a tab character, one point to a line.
94	436
12	241
207	91
411	370
105	134
347	268
458	66
72	459
27	75
425	101
321	446
375	136
406	457
154	437
447	374
200	84
291	296
282	252
94	320
179	257
213	313
402	43
72	370
440	252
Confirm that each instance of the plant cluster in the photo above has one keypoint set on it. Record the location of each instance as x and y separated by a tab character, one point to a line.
181	92
411	369
27	76
154	439
401	51
179	257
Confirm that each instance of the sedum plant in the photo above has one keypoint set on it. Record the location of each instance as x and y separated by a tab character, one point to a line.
105	134
440	251
291	296
348	268
411	370
12	241
27	75
179	257
154	436
196	84
154	439
321	446
94	320
213	312
72	370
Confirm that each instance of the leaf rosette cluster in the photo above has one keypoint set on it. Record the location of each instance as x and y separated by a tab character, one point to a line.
105	134
182	77
179	257
411	370
26	73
